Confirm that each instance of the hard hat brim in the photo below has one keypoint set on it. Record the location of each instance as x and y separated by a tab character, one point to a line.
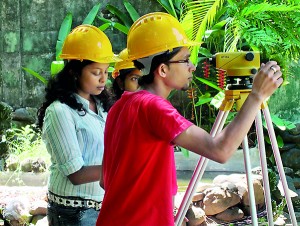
104	60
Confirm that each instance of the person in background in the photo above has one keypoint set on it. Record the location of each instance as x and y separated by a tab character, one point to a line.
125	75
137	162
72	120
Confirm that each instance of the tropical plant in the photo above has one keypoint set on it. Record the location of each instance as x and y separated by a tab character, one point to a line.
25	142
271	27
227	26
175	7
64	30
125	20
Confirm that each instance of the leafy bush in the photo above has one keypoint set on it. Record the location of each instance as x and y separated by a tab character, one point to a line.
26	143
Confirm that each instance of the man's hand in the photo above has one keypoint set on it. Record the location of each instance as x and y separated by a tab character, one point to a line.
267	80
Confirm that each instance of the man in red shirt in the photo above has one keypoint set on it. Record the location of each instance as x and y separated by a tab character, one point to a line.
142	127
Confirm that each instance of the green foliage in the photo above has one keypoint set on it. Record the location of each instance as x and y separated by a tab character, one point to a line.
26	142
281	124
35	74
175	7
197	17
278	202
64	30
5	113
268	27
125	19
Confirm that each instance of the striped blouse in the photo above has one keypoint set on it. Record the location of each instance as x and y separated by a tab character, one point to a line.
73	141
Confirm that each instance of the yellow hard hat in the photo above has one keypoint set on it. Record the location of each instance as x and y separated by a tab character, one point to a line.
154	33
87	42
124	64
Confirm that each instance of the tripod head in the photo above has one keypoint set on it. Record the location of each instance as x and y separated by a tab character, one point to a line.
239	66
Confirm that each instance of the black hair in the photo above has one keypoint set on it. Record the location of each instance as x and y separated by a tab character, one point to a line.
63	86
156	61
117	90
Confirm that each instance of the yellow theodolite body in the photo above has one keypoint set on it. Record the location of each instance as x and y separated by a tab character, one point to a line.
238	64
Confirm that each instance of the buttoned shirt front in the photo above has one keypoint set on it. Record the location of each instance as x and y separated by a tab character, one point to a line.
74	140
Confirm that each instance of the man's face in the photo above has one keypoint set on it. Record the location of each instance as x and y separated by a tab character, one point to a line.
180	70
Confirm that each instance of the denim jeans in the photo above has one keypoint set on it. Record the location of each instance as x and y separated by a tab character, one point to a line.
59	215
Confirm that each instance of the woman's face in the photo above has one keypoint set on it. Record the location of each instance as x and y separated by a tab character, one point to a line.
93	79
131	80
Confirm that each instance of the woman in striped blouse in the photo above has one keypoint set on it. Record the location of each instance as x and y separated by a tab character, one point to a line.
72	120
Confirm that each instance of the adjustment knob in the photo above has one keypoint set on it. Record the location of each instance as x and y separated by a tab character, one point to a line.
249	56
253	71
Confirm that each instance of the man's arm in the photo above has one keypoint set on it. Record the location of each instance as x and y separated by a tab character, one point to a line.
223	145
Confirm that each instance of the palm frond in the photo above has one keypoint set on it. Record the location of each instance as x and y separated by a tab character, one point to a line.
200	14
168	6
232	35
131	10
89	19
267	7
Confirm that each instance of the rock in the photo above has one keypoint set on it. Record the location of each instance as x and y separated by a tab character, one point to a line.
296	182
296	130
258	192
288	171
217	200
196	216
290	184
257	170
297	173
198	197
289	138
38	165
291	158
230	214
233	178
287	146
25	114
39	220
229	186
17	210
26	165
280	221
39	207
203	186
12	163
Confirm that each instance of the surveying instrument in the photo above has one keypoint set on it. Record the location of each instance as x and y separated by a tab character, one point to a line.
240	68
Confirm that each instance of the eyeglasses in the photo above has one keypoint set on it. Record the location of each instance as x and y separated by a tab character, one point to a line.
187	61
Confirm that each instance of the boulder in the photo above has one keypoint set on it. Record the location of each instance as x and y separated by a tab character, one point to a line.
217	200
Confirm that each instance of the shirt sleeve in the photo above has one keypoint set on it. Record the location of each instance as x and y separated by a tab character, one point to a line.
165	121
59	133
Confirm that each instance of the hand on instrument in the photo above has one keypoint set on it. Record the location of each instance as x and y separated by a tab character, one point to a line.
267	80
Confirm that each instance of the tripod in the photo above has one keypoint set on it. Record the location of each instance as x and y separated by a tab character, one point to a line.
238	97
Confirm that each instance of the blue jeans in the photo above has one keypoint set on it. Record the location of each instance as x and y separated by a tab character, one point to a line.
59	215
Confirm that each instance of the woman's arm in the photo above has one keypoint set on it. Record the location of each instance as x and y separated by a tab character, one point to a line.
86	174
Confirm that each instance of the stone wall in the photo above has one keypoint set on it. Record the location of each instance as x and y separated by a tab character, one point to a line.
28	35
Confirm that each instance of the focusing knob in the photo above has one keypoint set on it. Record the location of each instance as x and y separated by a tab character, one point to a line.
253	71
249	56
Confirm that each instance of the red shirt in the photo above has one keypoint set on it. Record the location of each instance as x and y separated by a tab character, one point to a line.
138	161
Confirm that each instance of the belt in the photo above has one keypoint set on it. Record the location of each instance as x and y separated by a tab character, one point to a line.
73	202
